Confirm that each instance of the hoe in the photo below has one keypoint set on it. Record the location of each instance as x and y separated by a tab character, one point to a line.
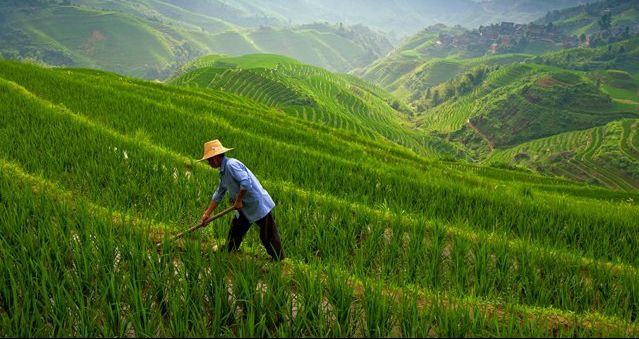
203	224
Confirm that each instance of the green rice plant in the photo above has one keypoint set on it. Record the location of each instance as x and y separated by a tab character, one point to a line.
412	247
377	311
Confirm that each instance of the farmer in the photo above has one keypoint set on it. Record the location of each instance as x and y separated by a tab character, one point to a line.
252	203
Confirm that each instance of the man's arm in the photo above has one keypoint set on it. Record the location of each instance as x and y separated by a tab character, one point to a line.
207	213
215	201
238	200
240	174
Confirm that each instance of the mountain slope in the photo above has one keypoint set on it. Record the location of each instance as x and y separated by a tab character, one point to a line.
514	105
84	37
585	19
405	17
151	39
95	168
454	46
523	102
606	155
310	93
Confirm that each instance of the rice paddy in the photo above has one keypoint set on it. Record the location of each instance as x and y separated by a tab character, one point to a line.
95	169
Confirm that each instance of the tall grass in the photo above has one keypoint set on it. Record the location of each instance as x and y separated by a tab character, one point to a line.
377	246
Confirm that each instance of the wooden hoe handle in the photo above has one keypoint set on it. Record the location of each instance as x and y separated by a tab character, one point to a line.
206	222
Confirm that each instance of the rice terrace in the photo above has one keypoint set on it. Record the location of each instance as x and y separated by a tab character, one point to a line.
414	168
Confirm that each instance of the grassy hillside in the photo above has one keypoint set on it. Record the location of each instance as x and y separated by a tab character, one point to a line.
522	102
311	93
439	53
388	71
407	16
84	37
619	55
585	19
151	38
509	113
606	155
96	168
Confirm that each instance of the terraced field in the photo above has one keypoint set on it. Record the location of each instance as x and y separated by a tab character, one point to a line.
311	93
452	115
604	155
96	168
522	102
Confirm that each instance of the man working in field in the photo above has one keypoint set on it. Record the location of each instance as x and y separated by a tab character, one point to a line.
252	202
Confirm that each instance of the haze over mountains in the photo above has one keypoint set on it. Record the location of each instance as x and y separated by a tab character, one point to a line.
152	38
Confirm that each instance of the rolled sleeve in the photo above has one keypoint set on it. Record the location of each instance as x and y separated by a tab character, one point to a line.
219	193
240	174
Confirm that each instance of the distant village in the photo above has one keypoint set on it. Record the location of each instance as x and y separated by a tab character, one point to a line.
512	37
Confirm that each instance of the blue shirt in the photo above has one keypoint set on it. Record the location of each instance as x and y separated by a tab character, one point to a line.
235	176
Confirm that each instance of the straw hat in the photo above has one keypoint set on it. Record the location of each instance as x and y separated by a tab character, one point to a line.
213	148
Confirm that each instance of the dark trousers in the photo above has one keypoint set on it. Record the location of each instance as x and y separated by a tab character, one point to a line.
268	234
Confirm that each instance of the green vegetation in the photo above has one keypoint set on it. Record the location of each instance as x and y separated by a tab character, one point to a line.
540	117
152	39
620	55
593	17
439	55
95	168
607	155
383	239
498	103
313	94
518	103
88	38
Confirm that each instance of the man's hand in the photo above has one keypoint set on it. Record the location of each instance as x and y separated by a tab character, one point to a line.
238	204
238	200
204	217
208	211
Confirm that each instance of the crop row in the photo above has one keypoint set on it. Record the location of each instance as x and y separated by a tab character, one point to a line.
166	288
320	227
431	197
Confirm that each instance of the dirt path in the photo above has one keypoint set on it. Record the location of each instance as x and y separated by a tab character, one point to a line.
482	135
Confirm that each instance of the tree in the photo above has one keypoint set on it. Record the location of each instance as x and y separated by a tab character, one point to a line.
435	100
605	21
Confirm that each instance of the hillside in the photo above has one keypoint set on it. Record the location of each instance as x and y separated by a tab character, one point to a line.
405	17
399	18
536	81
590	19
501	110
367	225
606	155
522	102
151	39
313	94
447	51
